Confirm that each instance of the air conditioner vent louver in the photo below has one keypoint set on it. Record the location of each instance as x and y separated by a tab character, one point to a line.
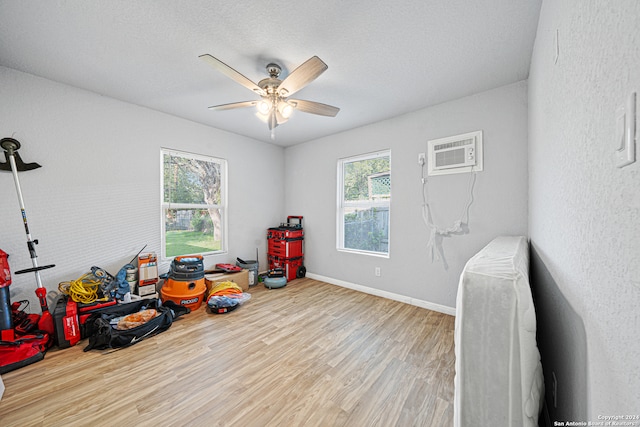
453	144
455	154
449	158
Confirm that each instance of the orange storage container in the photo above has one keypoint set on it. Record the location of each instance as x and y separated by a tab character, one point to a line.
188	293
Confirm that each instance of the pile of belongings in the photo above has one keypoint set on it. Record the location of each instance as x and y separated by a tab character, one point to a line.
134	320
225	297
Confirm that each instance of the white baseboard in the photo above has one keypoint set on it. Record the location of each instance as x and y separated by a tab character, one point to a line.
384	294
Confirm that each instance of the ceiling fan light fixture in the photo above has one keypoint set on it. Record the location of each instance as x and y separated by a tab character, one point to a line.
285	109
275	107
264	118
264	107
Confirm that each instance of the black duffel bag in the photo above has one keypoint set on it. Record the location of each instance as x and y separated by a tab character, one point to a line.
103	335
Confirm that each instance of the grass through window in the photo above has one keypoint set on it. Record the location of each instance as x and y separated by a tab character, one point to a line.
190	242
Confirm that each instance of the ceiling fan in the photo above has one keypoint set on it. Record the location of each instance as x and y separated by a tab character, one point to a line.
276	106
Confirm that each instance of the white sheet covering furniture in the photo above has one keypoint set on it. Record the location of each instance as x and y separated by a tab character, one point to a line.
499	380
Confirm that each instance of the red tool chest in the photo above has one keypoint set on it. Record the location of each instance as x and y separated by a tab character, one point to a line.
286	247
286	231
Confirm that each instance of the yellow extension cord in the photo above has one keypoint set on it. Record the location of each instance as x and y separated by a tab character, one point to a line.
225	288
83	290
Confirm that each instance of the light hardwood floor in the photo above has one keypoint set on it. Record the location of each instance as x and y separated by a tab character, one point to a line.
309	354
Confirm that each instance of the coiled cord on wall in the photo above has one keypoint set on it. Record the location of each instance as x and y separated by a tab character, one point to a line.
458	225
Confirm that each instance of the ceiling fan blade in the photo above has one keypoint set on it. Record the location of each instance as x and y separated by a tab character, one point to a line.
302	76
233	105
231	73
314	107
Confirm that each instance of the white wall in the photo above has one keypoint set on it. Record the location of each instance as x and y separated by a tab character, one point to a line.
96	199
499	207
584	212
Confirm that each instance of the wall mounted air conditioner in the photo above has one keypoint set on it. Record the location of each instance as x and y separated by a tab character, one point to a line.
455	154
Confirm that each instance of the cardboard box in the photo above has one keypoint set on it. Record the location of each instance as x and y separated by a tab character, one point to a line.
147	268
146	290
240	278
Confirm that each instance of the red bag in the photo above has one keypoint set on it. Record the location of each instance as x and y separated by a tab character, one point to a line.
5	274
228	268
23	351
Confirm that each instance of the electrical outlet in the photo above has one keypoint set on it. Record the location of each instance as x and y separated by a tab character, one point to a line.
377	271
421	159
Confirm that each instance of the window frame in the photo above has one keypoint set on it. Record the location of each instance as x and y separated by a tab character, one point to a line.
223	206
342	204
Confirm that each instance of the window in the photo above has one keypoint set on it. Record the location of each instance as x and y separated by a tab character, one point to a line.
364	199
193	204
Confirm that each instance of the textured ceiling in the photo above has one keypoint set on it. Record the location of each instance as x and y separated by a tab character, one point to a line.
385	58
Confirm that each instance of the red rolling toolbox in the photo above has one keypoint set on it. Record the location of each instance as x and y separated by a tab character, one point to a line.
286	247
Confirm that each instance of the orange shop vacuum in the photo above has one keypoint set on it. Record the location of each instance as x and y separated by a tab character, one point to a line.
184	284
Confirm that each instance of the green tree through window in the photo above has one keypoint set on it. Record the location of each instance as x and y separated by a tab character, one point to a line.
364	185
356	177
193	203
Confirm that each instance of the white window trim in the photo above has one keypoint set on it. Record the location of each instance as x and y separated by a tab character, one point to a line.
224	206
341	204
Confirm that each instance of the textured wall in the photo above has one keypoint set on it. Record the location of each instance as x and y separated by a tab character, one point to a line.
96	199
499	207
583	217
